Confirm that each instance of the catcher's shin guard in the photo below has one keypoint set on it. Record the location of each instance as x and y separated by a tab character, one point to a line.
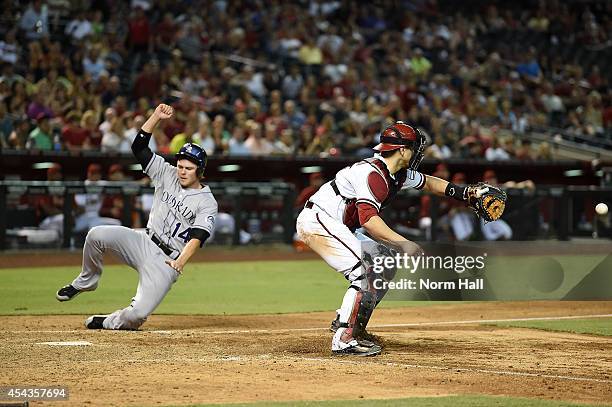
356	311
367	302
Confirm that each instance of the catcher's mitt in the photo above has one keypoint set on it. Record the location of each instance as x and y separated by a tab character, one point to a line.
487	201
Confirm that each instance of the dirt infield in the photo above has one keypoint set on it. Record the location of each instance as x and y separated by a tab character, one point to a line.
195	359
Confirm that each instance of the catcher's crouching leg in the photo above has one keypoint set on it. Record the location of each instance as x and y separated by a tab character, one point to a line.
356	309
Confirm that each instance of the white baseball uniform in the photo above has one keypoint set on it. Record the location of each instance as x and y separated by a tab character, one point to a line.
362	190
328	221
174	213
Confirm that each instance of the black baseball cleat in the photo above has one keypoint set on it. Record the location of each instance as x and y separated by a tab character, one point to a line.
66	293
357	349
95	321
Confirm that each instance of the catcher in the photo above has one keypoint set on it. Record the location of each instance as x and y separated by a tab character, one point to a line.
353	199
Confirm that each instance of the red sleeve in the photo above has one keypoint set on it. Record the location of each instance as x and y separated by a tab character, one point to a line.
365	211
378	186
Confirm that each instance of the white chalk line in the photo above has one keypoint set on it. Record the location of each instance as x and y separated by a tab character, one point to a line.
289	330
359	362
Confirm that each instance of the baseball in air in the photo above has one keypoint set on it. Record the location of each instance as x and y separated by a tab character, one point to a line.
601	208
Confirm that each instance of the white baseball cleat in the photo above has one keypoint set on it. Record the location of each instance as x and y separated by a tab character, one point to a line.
355	349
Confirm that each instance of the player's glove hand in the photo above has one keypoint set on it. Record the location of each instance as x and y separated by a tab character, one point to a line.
486	200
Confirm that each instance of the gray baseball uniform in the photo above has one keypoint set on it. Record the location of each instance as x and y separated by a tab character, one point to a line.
175	211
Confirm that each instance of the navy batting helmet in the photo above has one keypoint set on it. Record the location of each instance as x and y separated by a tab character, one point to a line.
195	154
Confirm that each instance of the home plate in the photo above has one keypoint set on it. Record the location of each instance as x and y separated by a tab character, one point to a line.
66	343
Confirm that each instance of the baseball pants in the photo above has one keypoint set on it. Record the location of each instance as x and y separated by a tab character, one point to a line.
138	251
333	241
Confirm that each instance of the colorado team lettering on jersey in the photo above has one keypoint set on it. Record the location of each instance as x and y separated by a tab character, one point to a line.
365	188
175	209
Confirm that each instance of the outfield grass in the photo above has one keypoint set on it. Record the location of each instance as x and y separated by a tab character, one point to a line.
596	326
449	401
241	287
204	288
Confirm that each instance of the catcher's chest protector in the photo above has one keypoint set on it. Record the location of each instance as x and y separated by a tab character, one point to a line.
395	184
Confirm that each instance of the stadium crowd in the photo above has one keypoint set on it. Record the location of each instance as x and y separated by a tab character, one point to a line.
311	77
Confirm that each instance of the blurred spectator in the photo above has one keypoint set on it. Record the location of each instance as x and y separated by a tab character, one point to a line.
139	30
89	204
293	117
113	205
79	27
89	122
439	150
93	64
38	107
529	66
495	152
114	140
524	151
310	53
18	138
206	141
148	83
134	127
292	83
35	21
236	145
419	64
50	207
6	126
544	152
73	135
41	137
315	180
9	48
255	143
460	217
186	136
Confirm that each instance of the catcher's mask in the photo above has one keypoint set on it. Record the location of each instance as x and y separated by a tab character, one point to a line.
195	154
400	135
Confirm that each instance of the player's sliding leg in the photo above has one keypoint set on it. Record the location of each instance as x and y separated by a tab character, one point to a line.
155	280
140	253
120	240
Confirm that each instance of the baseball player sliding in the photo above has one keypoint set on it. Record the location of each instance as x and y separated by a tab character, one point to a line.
353	199
182	218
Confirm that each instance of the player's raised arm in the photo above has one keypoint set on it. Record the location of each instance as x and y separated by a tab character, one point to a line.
140	146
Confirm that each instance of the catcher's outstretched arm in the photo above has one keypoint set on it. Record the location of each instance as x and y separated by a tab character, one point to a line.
435	185
444	188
